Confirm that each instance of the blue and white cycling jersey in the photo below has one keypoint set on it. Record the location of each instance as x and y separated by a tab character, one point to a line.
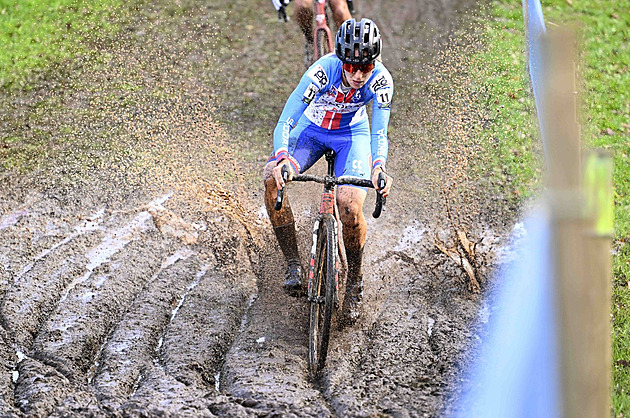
320	100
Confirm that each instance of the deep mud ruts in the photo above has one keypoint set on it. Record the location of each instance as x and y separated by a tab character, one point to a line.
134	304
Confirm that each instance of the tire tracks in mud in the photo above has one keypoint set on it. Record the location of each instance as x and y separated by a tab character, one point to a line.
99	320
111	313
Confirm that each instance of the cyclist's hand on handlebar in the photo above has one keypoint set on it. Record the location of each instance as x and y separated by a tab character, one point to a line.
277	173
389	181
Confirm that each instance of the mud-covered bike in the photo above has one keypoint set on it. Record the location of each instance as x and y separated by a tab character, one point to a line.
323	272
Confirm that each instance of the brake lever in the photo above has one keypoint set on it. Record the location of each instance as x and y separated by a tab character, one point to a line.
380	199
280	198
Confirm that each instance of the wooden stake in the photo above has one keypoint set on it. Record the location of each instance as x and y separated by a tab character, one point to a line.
582	265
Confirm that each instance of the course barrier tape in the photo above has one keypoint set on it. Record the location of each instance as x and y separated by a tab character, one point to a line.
517	373
534	32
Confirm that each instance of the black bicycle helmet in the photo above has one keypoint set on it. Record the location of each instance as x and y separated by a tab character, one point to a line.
358	42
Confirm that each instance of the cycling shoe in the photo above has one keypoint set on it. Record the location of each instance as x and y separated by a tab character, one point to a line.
293	280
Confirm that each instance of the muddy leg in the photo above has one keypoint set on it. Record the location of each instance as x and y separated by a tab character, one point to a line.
350	200
284	228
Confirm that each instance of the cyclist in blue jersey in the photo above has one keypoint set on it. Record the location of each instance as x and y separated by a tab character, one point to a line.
327	110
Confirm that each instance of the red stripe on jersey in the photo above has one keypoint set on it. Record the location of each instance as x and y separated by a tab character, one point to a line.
349	96
327	119
332	120
336	120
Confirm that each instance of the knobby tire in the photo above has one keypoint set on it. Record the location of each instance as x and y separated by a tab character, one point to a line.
321	44
322	304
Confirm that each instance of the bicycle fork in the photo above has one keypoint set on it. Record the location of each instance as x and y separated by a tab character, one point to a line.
321	25
327	207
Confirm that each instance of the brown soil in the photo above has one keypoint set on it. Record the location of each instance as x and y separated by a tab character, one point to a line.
138	273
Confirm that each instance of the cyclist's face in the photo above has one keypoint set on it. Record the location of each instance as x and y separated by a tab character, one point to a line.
356	78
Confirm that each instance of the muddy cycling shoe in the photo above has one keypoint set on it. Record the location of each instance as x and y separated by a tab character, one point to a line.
293	280
352	304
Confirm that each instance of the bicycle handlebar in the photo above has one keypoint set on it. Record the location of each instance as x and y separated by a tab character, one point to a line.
379	206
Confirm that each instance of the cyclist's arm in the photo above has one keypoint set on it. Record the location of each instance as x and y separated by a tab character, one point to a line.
381	108
310	86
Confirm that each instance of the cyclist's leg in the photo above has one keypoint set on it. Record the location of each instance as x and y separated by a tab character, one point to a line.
303	153
284	229
303	14
353	159
341	13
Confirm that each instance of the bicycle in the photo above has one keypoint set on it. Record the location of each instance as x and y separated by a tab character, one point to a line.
323	273
322	36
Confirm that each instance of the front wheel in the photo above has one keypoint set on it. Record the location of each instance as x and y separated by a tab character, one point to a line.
322	44
322	293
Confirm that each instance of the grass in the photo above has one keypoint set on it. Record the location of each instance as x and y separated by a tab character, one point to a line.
37	34
604	36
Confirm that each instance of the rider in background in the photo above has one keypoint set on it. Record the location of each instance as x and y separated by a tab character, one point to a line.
303	14
327	110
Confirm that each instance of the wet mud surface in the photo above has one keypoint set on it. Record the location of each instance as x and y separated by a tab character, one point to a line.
136	302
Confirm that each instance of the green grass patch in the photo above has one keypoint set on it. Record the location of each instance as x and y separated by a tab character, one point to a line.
36	34
604	38
513	129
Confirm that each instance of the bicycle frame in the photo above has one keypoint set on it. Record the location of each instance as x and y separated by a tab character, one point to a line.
327	207
321	25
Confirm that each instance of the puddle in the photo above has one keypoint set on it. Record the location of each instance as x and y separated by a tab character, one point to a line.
14	373
90	224
430	324
411	236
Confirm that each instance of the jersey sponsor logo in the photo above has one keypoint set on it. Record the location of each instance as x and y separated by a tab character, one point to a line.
382	142
318	75
380	82
310	93
286	129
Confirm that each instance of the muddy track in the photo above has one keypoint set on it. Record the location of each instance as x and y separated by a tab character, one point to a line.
120	302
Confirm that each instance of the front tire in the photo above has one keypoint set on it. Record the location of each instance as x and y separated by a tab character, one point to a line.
322	294
322	44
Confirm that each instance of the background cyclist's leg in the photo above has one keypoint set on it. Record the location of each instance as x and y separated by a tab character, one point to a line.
304	152
340	10
303	15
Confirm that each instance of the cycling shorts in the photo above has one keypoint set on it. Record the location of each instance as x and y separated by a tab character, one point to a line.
308	143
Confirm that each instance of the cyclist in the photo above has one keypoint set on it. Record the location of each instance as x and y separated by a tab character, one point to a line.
303	14
327	110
